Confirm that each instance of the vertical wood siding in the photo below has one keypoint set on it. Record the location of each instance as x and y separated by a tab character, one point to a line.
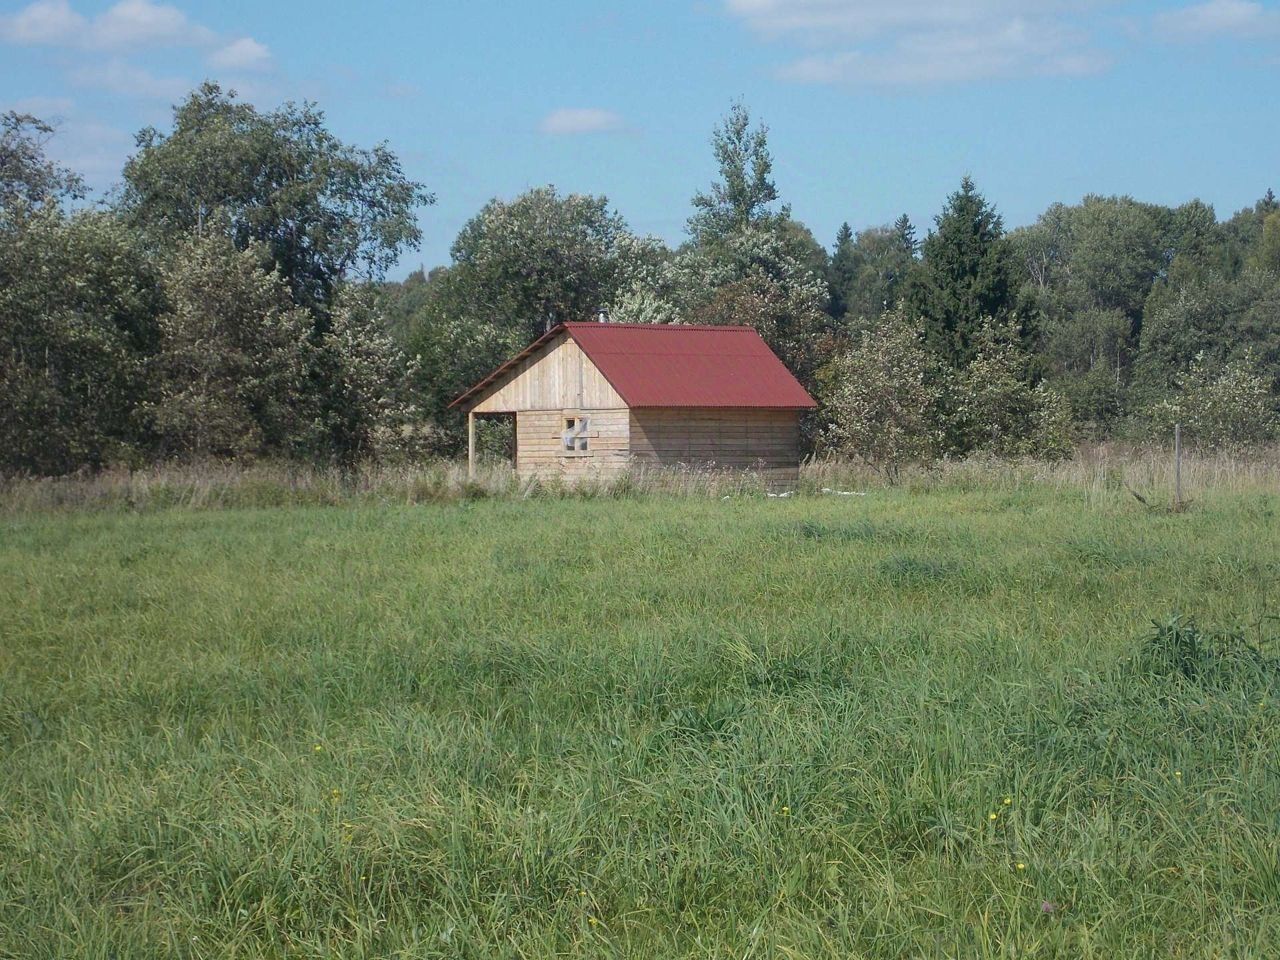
557	377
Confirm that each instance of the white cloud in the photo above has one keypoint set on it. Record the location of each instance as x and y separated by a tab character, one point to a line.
925	42
1216	18
45	22
141	23
574	120
863	19
120	77
126	25
1017	48
243	54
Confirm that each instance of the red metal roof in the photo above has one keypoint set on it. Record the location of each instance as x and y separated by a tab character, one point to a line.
663	365
668	365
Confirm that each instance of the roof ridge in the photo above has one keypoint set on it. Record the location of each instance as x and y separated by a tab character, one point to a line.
595	324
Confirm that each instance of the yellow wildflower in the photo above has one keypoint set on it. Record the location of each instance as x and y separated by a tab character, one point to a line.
992	815
1022	866
1008	800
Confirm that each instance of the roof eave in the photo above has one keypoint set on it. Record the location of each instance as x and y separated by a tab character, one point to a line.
811	405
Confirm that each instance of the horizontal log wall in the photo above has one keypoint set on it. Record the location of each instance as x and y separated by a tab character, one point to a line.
540	446
767	440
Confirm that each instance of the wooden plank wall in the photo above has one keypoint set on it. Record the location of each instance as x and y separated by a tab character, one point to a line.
540	447
557	377
734	439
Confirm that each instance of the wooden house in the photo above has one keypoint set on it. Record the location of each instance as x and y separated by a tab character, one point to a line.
592	399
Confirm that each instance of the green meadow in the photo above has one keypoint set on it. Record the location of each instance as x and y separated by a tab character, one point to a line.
962	721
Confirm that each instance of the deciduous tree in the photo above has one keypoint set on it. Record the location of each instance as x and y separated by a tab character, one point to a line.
996	409
519	268
326	211
27	175
232	363
744	196
78	307
880	263
528	264
747	261
1213	316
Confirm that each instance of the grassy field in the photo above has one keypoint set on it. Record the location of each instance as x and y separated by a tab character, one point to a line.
926	723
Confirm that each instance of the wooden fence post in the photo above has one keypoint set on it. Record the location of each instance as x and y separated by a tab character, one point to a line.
1177	466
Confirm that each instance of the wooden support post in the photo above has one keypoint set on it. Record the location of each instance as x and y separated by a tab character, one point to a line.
1177	466
471	445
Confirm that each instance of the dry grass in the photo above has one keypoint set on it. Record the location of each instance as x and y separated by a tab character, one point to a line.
1101	472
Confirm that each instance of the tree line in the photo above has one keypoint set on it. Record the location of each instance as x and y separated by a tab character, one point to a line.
229	301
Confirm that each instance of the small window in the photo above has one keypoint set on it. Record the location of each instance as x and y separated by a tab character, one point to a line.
576	430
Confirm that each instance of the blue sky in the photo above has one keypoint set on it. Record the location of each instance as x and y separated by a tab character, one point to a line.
875	107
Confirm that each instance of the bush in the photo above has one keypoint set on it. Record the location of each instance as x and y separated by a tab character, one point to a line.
997	410
1219	407
233	356
78	300
881	399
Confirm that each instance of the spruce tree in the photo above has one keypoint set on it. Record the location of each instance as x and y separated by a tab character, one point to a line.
905	231
967	273
842	271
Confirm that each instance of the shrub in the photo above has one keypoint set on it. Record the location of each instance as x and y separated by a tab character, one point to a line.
1219	407
998	411
881	398
231	368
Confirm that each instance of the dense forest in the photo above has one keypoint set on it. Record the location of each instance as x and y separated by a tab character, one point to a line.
229	301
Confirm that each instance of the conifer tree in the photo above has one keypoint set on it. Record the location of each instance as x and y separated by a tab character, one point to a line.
905	231
967	274
842	271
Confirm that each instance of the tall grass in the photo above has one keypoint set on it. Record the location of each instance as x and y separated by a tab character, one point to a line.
935	720
1101	472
